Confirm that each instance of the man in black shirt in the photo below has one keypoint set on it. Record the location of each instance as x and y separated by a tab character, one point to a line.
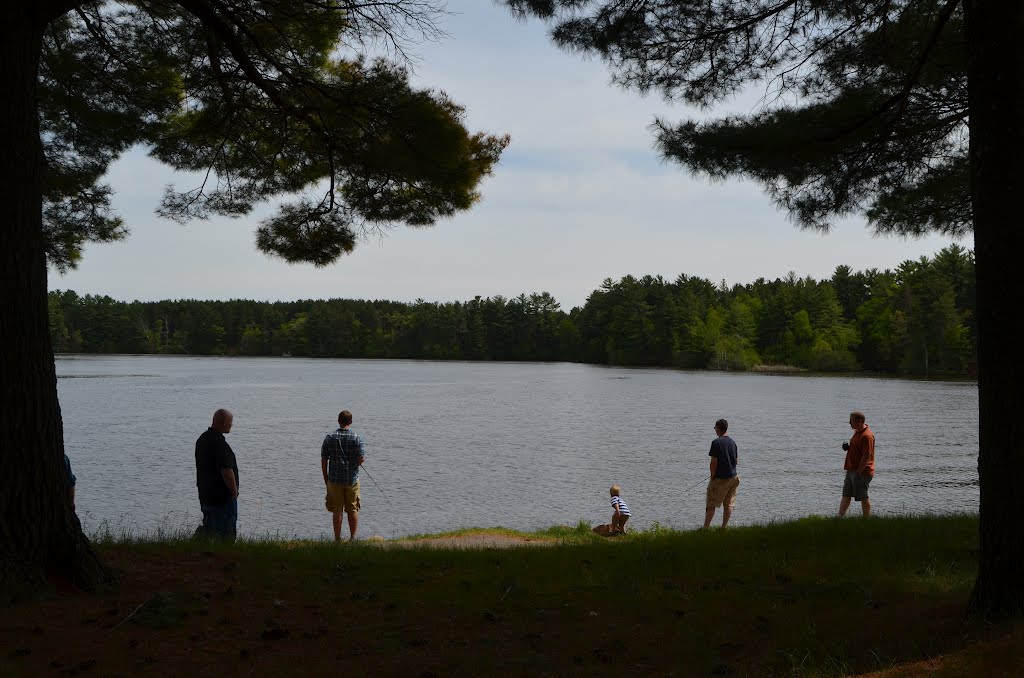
724	480
217	478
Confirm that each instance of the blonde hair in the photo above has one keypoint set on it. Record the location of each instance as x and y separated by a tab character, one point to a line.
614	490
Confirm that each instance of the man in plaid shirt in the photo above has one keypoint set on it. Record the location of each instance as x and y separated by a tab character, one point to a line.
340	457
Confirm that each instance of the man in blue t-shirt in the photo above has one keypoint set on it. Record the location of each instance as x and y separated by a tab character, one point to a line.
724	481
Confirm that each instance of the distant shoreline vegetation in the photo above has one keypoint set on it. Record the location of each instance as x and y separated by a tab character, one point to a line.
916	320
777	369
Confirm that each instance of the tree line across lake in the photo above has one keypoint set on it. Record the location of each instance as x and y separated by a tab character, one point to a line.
918	319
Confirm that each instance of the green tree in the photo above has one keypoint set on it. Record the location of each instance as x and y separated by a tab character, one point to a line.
850	291
907	112
264	98
937	338
705	334
207	331
882	327
60	337
290	338
568	337
252	340
476	329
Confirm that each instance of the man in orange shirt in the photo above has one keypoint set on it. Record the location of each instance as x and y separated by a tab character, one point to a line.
859	465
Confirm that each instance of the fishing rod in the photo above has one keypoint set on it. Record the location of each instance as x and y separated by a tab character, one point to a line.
375	483
695	484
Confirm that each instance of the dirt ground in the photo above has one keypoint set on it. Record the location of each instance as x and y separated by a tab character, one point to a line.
467	541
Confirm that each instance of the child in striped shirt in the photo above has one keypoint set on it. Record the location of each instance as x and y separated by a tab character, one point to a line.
621	514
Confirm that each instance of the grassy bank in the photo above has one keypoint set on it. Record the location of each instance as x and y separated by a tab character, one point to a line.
812	597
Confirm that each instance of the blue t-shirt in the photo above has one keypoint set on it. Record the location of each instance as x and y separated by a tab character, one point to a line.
724	449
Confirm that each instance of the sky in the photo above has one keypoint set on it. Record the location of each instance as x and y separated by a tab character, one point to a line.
579	196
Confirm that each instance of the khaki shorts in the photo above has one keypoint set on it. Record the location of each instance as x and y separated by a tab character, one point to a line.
342	496
722	491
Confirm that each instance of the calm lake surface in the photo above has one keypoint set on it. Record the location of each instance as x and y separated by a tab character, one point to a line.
524	446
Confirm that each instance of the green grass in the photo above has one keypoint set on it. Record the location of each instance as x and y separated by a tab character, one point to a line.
818	596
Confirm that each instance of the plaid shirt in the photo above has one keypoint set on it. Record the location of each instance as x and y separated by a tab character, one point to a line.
342	450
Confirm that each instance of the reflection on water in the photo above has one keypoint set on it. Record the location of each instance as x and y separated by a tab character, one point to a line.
479	444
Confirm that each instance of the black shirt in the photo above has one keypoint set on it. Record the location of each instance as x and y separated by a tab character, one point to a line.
724	448
213	454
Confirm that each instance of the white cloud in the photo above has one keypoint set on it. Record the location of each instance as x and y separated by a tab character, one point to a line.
580	196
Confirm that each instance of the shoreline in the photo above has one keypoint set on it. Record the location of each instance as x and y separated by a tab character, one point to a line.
767	370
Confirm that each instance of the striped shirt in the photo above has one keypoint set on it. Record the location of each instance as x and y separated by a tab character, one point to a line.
623	509
342	449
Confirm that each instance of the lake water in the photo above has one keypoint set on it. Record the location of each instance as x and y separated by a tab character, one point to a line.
525	446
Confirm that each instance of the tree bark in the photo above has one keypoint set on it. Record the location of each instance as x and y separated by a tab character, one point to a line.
996	99
40	535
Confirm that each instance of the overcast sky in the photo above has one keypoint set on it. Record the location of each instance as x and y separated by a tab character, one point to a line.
579	196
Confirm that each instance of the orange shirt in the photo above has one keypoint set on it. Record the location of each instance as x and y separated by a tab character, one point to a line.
862	445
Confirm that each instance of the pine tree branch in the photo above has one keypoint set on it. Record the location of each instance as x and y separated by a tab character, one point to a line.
903	96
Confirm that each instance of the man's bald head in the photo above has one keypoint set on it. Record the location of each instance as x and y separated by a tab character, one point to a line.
222	420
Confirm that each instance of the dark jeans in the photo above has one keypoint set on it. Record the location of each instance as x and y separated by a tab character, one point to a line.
220	520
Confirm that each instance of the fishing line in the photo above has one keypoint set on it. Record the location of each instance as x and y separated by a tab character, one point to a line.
375	483
394	523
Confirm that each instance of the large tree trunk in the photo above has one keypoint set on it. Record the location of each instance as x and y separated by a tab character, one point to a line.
996	97
40	536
